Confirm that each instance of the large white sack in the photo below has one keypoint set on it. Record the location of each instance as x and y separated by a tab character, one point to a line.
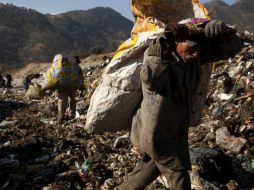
119	94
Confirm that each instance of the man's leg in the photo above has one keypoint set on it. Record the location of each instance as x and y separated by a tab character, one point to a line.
62	105
176	179
142	175
9	84
72	96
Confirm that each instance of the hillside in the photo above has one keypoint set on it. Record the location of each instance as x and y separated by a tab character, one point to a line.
29	36
240	14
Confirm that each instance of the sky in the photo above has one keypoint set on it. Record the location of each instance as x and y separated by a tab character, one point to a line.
60	6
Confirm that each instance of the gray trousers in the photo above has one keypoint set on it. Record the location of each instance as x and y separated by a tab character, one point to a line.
146	172
63	102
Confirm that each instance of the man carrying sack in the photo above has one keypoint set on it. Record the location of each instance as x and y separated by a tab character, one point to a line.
173	90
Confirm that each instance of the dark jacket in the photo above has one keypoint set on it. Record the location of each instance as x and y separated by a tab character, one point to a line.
174	94
28	80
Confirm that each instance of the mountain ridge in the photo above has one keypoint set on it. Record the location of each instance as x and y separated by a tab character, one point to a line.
29	36
240	13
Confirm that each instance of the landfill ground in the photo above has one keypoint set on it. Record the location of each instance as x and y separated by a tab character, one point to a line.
37	153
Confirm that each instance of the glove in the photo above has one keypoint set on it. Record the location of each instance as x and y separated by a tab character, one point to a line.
160	47
157	46
215	29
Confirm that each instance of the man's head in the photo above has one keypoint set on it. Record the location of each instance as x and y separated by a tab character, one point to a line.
38	75
105	58
189	51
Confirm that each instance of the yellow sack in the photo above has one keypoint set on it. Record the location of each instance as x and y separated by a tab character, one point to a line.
63	75
34	91
168	11
153	15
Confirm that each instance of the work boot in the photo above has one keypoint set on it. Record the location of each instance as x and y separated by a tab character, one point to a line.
60	118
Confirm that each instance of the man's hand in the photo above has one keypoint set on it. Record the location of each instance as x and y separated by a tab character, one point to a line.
157	46
161	47
215	29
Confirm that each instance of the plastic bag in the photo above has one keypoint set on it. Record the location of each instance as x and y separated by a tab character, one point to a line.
63	74
34	91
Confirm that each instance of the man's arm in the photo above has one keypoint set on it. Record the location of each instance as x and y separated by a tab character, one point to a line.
220	44
154	72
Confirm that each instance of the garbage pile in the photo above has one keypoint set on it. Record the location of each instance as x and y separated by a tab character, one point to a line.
228	124
36	153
